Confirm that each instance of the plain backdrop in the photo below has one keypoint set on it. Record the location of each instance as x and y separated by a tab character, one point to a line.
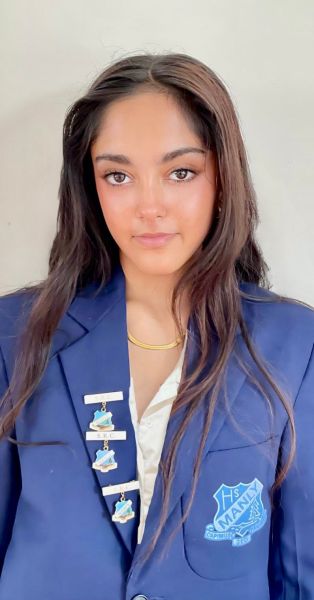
262	50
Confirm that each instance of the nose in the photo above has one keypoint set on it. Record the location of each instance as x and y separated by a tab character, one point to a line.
150	200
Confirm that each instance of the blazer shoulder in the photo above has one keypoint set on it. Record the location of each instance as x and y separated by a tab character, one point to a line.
277	316
14	310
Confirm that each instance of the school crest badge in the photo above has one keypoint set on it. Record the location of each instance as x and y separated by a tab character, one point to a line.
240	513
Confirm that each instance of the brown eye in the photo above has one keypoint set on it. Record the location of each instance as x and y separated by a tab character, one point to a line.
184	172
116	175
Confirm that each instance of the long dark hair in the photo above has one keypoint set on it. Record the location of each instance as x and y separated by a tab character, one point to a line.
84	251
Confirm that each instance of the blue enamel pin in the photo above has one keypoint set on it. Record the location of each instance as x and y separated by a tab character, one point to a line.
123	510
102	420
105	459
240	513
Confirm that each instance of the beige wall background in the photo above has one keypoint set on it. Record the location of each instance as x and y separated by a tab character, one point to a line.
51	51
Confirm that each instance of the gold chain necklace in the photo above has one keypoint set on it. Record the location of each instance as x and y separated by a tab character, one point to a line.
155	346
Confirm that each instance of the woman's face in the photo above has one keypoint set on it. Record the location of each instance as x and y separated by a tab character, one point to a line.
145	192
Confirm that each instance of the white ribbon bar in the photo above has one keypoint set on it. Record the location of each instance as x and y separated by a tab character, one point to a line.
105	435
104	397
120	487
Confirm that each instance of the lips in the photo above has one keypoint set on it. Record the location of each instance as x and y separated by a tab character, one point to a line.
154	235
154	240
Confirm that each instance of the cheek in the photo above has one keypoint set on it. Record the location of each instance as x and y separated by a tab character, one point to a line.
197	212
115	214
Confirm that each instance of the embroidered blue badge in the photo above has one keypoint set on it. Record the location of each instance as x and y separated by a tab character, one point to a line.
240	513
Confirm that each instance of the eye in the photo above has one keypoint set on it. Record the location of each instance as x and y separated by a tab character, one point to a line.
114	173
184	171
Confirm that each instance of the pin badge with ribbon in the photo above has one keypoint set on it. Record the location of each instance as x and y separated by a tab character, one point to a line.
123	507
105	460
102	420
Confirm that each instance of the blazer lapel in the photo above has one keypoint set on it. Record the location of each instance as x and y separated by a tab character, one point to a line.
98	362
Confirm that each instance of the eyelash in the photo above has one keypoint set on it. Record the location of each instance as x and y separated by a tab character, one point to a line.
121	173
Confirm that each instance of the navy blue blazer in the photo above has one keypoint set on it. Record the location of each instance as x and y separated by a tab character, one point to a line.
58	540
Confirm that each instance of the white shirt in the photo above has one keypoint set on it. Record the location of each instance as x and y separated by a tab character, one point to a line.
150	435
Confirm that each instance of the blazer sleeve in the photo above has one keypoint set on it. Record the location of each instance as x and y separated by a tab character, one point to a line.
292	543
10	478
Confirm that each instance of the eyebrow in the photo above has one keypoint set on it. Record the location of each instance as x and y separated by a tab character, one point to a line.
122	159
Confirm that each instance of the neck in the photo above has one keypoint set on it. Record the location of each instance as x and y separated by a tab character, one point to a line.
150	294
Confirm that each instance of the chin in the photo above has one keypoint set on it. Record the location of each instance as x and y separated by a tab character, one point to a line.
158	266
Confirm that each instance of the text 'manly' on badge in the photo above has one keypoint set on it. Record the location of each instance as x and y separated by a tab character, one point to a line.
103	397
239	515
120	488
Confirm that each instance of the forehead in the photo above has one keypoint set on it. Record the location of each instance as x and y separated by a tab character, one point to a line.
153	116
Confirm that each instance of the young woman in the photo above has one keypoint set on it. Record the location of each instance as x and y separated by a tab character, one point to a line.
157	410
